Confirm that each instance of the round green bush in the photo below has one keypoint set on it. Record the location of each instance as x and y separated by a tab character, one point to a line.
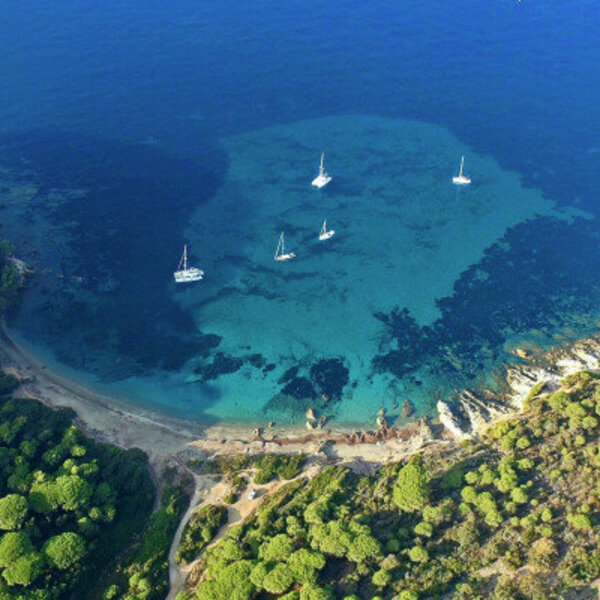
418	554
64	550
13	510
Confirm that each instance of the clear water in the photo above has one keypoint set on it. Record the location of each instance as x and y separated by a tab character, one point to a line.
127	130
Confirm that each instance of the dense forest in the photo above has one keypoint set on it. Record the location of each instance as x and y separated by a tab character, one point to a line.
76	518
68	505
513	516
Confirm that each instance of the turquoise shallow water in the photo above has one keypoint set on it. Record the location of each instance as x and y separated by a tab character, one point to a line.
127	132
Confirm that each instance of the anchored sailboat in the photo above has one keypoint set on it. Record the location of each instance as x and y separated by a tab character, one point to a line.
324	234
461	178
280	254
185	274
322	179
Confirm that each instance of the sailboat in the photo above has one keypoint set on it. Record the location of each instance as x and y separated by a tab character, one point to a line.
461	178
324	234
280	254
322	179
185	274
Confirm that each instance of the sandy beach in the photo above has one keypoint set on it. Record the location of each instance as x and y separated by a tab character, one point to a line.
108	420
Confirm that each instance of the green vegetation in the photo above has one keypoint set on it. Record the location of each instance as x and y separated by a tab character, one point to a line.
458	523
267	467
199	531
68	505
143	573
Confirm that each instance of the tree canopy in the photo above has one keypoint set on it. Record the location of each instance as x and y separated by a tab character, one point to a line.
411	491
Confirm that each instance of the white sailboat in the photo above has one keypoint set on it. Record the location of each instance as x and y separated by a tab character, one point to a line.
185	274
461	178
280	254
322	179
324	234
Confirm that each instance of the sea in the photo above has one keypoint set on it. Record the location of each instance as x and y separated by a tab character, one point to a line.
128	129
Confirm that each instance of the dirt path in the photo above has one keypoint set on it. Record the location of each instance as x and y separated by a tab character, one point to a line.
236	513
212	491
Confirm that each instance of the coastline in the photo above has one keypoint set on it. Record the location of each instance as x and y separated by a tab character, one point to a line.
465	416
164	439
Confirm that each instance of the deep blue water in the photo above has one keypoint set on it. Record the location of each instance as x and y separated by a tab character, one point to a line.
132	105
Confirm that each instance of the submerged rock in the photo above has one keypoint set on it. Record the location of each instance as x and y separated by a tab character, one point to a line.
330	376
407	409
222	364
299	387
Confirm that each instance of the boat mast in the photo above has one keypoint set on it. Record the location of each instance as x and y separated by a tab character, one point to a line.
321	168
462	163
185	257
324	228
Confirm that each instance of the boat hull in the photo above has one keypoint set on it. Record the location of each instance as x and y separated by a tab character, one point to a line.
461	180
327	235
284	257
188	275
321	180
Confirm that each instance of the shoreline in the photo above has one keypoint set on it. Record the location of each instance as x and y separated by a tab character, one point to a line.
164	439
466	415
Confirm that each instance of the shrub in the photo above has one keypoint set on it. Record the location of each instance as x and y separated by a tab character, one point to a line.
579	522
278	548
64	550
469	494
230	498
13	545
411	491
278	580
199	531
543	553
424	529
381	578
519	496
13	510
25	570
546	515
418	554
311	591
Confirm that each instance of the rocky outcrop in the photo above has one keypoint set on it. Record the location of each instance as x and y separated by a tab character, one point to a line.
451	420
521	379
21	268
470	413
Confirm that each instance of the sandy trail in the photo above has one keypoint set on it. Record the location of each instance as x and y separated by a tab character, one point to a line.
213	492
236	513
